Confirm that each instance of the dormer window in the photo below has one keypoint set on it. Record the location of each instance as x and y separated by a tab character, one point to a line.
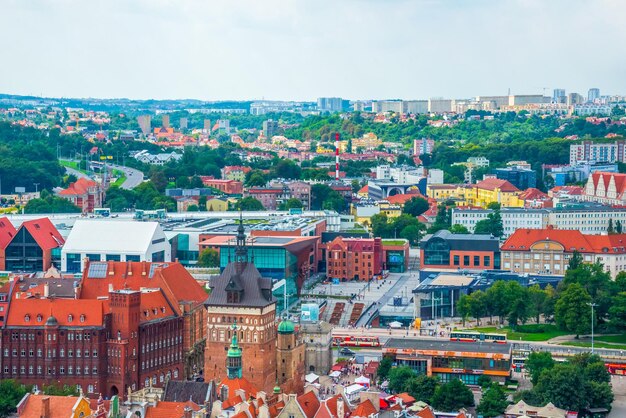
70	318
82	318
39	318
27	318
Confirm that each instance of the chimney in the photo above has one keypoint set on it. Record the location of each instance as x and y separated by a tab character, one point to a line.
45	407
46	290
340	409
187	412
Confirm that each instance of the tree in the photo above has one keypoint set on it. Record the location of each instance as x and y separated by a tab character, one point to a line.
537	300
537	362
484	381
562	385
157	177
617	311
50	204
398	376
415	206
411	233
255	178
11	393
422	387
58	390
249	203
384	367
492	225
196	183
478	305
618	227
202	203
572	311
493	402
575	261
292	203
192	208
519	307
464	307
182	182
209	258
286	169
458	229
610	230
453	396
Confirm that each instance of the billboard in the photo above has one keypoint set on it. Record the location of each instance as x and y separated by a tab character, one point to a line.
310	312
20	190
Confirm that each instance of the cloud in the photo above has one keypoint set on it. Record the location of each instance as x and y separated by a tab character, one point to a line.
278	49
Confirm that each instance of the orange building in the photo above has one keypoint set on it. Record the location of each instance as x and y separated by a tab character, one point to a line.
224	186
444	250
354	258
35	246
84	193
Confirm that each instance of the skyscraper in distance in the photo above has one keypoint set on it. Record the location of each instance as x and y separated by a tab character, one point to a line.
593	94
558	96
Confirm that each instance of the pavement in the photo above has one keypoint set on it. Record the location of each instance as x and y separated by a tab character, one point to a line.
133	177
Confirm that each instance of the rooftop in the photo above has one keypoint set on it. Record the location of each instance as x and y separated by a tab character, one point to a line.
478	347
112	236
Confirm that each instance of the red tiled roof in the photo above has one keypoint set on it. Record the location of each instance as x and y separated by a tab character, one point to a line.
44	233
364	189
406	398
309	403
79	187
401	199
170	409
523	239
323	411
26	312
494	183
532	194
154	306
364	409
7	232
237	384
426	413
620	180
59	406
331	403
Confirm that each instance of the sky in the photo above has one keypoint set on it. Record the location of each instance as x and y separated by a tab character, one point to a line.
304	49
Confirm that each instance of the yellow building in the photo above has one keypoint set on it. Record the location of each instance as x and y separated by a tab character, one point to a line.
217	205
363	213
369	141
491	190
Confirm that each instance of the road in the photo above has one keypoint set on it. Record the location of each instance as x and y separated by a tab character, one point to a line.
78	174
133	177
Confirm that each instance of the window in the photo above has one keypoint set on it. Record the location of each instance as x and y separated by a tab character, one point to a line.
487	261
476	260
73	263
436	252
457	260
133	258
466	260
113	257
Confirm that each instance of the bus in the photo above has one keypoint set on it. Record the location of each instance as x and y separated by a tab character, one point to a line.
616	368
473	336
103	212
355	341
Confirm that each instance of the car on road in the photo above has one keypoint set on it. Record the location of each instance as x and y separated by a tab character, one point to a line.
346	351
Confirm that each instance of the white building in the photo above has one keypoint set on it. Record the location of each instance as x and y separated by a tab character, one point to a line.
597	152
109	240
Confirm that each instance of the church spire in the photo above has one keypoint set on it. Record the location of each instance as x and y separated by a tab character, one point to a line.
233	357
241	251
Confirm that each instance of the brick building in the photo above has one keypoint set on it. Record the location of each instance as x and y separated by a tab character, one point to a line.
241	296
270	197
444	250
354	258
225	186
127	326
290	358
84	193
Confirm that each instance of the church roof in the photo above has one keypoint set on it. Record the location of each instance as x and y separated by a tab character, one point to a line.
257	291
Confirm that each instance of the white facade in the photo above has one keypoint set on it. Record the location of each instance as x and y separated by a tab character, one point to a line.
596	152
108	240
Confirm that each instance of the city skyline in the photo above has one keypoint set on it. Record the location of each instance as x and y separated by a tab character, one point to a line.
297	51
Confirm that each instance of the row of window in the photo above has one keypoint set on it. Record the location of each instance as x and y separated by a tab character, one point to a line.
162	377
159	361
51	353
71	336
475	259
154	345
51	370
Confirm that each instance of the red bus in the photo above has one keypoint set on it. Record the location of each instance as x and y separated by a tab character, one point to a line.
355	341
616	368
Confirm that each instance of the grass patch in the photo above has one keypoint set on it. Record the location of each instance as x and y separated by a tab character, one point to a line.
596	345
617	339
72	164
394	241
120	180
531	332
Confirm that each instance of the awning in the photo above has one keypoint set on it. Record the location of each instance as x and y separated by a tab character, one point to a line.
311	378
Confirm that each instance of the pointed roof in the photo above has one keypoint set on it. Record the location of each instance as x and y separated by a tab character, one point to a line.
257	291
7	232
331	404
44	233
494	183
309	403
364	409
79	187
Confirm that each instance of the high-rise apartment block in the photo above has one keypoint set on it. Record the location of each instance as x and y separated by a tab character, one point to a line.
165	121
183	123
559	96
330	104
596	152
270	128
144	123
593	94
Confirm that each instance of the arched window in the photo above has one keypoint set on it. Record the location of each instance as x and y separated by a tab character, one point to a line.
70	318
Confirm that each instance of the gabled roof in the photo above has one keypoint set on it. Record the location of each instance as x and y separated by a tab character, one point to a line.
44	233
240	383
113	237
170	409
35	312
401	199
7	232
494	183
364	189
31	406
257	291
79	187
426	413
331	403
309	403
364	409
571	240
198	392
532	194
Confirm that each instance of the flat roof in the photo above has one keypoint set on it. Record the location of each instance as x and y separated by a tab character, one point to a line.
438	345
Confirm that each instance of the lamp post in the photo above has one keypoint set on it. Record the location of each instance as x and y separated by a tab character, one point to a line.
592	306
36	187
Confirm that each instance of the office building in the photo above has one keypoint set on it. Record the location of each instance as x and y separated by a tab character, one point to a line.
102	240
450	360
330	104
35	246
574	99
518	177
593	94
444	250
548	251
270	128
559	96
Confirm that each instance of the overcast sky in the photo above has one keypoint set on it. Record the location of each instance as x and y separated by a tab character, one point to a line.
301	50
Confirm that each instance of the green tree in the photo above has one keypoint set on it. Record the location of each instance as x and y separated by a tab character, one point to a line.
202	203
182	182
492	225
255	178
192	208
208	258
291	203
286	169
249	203
493	402
422	387
537	300
398	377
610	230
478	305
484	381
458	229
58	390
575	261
562	385
617	311
50	204
11	393
452	396
196	182
415	206
572	311
411	233
464	307
157	177
384	367
537	362
618	227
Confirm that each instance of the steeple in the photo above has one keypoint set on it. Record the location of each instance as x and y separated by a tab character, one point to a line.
241	252
233	357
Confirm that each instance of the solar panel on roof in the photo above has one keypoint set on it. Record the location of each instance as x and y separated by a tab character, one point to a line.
97	270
